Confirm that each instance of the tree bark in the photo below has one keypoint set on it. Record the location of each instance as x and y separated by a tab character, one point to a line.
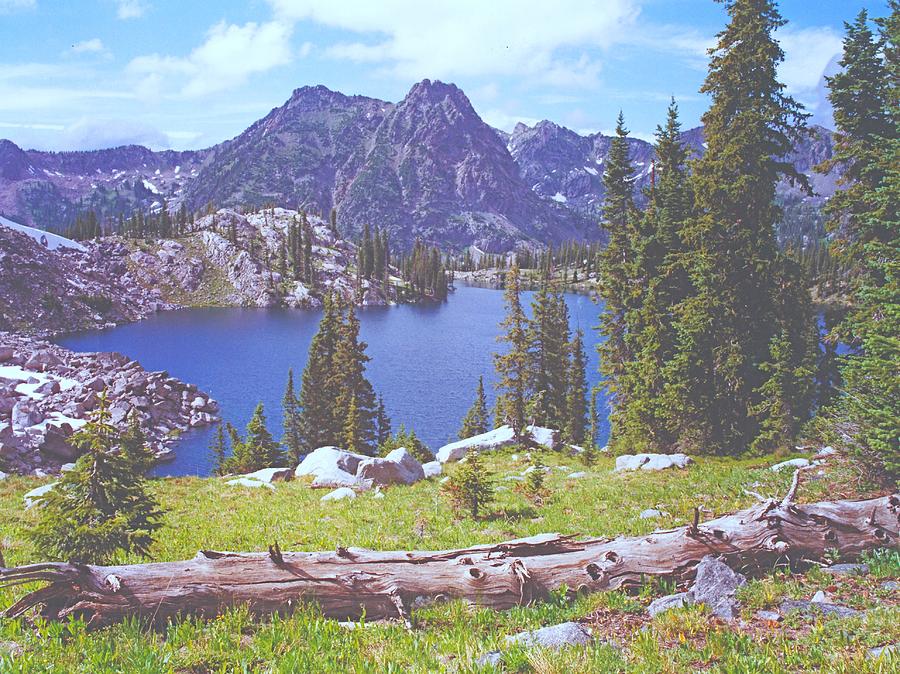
351	582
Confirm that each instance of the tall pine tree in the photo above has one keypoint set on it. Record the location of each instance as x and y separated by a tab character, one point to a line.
616	272
512	365
576	396
548	337
349	379
293	438
865	225
729	326
660	283
320	425
476	420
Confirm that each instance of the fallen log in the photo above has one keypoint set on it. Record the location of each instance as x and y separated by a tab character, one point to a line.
349	582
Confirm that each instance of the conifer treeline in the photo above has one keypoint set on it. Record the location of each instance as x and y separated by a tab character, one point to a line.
542	372
864	223
423	268
295	258
711	340
374	255
579	257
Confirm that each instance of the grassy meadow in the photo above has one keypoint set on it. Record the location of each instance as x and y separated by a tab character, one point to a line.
207	514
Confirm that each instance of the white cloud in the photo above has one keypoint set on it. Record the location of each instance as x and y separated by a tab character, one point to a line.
9	6
807	53
95	134
540	42
30	98
32	125
130	9
499	119
93	46
87	134
229	56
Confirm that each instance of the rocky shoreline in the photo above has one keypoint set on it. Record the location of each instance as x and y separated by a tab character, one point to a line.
47	393
227	259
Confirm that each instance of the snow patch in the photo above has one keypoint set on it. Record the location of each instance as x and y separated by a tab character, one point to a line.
559	197
53	241
591	170
150	186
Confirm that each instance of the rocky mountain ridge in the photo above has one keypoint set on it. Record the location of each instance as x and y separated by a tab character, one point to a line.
116	280
427	167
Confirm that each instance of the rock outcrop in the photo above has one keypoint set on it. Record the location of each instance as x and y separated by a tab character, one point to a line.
628	462
226	259
496	439
398	467
332	467
48	392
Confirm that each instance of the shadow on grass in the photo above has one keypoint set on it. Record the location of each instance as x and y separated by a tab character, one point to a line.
511	513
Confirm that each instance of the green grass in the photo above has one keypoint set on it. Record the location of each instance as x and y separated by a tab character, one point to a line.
207	514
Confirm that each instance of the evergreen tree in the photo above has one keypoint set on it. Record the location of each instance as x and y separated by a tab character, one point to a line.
548	336
218	450
348	374
102	506
660	283
293	437
382	423
476	420
334	376
353	428
728	326
865	225
616	273
534	487
408	440
594	417
576	396
133	445
332	223
257	450
320	423
512	366
470	486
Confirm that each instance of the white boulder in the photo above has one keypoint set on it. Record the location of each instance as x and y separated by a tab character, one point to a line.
248	482
398	467
35	496
628	462
825	452
432	469
334	477
270	475
793	463
339	494
495	439
326	459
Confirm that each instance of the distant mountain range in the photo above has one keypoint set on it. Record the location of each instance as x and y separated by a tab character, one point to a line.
425	167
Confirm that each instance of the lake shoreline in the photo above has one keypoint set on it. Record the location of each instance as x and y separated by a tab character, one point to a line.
426	358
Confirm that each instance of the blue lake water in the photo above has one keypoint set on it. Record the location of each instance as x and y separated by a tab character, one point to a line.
426	359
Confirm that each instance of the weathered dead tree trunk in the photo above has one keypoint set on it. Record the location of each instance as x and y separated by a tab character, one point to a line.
349	582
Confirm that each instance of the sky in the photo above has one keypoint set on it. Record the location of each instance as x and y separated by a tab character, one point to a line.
86	74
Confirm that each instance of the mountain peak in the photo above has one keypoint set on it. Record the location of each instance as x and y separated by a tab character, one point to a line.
431	92
309	97
14	162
